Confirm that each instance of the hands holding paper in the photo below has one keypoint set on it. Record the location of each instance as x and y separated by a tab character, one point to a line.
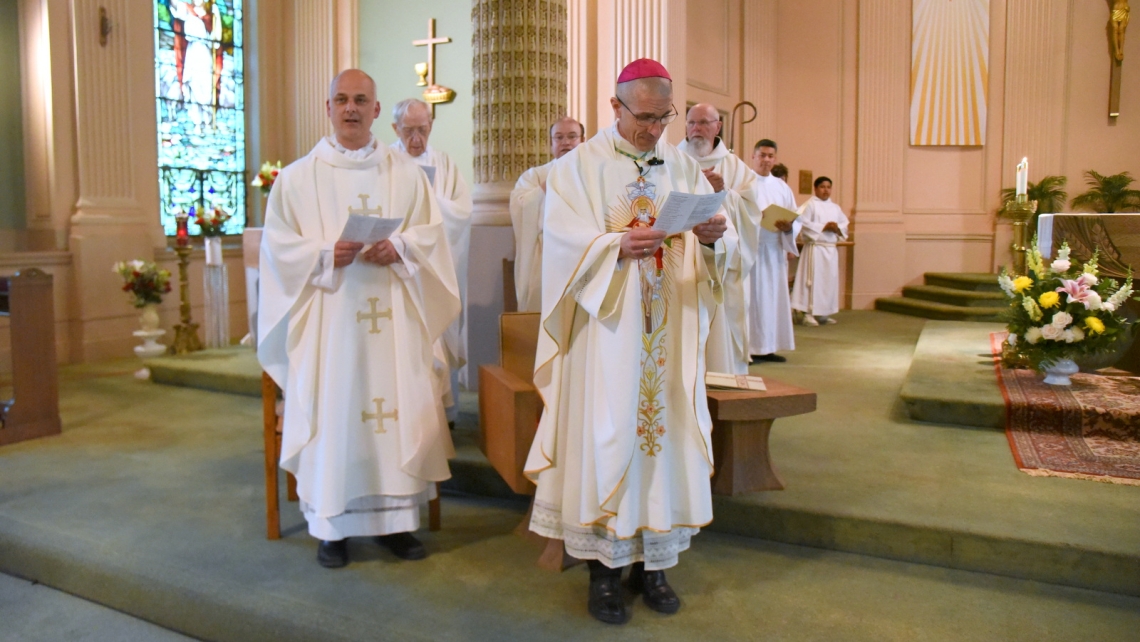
382	253
344	252
711	230
641	242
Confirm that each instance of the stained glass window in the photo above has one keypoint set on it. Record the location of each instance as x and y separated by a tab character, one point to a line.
200	100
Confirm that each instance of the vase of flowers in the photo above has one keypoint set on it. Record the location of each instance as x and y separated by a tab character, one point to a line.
266	176
145	283
1062	311
216	285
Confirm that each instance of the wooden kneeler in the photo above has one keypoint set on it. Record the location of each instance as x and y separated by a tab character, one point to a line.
271	431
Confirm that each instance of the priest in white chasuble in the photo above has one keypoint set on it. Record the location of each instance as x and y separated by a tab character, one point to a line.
527	211
727	349
413	122
347	331
622	457
770	312
816	290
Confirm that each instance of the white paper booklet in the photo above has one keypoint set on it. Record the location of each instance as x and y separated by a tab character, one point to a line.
681	212
368	229
725	381
430	171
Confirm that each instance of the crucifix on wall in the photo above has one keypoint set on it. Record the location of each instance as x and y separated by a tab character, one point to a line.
434	94
1117	25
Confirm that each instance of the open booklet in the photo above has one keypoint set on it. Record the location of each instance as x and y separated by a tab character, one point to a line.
681	212
725	381
774	213
430	171
368	229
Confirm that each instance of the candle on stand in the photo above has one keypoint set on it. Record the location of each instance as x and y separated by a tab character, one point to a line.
182	235
1023	177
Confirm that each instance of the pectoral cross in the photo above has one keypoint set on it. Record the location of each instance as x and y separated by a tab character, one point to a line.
364	211
379	415
374	316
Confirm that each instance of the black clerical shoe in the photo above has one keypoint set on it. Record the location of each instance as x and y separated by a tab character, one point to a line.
403	545
332	554
774	358
658	595
606	600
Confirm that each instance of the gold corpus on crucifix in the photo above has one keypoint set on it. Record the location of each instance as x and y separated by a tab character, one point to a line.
1117	25
434	94
380	415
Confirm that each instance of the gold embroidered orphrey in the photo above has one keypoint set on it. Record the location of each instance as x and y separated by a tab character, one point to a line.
379	415
374	315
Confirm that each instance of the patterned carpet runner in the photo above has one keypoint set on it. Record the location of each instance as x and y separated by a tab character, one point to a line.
1090	430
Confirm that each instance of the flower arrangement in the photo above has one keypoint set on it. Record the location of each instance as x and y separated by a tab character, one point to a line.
212	224
266	176
144	281
1062	310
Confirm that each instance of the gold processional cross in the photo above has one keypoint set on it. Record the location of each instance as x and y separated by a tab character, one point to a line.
374	316
434	93
1117	25
379	415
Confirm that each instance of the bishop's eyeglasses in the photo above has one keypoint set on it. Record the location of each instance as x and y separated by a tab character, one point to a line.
648	120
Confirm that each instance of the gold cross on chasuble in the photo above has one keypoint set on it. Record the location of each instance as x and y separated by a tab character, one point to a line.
374	315
364	211
379	415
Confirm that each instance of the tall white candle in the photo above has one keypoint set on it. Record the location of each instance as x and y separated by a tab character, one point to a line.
1023	176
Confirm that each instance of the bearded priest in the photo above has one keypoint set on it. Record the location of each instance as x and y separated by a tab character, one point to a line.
346	330
527	211
622	456
412	124
727	349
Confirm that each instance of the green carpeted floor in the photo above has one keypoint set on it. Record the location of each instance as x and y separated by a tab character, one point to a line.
151	502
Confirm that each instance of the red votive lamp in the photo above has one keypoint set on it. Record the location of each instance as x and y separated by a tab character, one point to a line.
182	236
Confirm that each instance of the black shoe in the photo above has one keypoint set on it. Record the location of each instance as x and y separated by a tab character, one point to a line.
774	358
332	554
403	545
658	595
606	600
451	425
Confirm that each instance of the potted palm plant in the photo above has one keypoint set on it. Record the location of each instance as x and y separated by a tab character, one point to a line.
1049	193
1108	194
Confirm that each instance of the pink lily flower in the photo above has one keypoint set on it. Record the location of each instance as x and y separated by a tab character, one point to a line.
1077	290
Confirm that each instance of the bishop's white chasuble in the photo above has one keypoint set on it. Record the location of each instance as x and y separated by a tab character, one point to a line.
727	349
770	313
527	199
622	457
351	347
816	290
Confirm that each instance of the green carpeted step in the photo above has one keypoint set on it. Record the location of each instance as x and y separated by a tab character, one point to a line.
954	296
936	310
234	370
951	378
977	281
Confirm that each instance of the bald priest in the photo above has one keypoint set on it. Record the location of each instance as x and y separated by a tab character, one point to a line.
622	456
346	330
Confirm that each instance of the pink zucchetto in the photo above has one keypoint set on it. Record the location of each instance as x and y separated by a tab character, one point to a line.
643	68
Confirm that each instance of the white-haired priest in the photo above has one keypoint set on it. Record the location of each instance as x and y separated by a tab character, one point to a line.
346	329
622	457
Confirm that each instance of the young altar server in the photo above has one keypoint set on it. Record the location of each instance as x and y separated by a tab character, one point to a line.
622	457
346	331
816	291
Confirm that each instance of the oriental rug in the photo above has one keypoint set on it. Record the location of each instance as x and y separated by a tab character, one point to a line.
1090	430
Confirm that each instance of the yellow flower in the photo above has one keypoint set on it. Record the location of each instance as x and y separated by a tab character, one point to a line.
1022	283
1095	325
1049	299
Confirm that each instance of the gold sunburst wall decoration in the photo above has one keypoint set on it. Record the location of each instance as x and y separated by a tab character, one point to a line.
949	73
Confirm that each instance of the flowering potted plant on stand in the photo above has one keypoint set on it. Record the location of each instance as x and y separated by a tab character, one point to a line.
216	279
1061	311
145	283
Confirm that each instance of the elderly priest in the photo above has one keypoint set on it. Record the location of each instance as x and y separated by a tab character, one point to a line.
347	329
727	349
622	456
413	123
527	200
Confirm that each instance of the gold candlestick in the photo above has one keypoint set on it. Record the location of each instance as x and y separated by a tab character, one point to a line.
185	334
1020	211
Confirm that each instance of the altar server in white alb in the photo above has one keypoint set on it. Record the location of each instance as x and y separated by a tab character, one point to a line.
622	456
770	312
527	211
727	348
816	291
346	331
413	122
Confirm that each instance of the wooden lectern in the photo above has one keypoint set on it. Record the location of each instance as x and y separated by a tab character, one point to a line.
34	409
